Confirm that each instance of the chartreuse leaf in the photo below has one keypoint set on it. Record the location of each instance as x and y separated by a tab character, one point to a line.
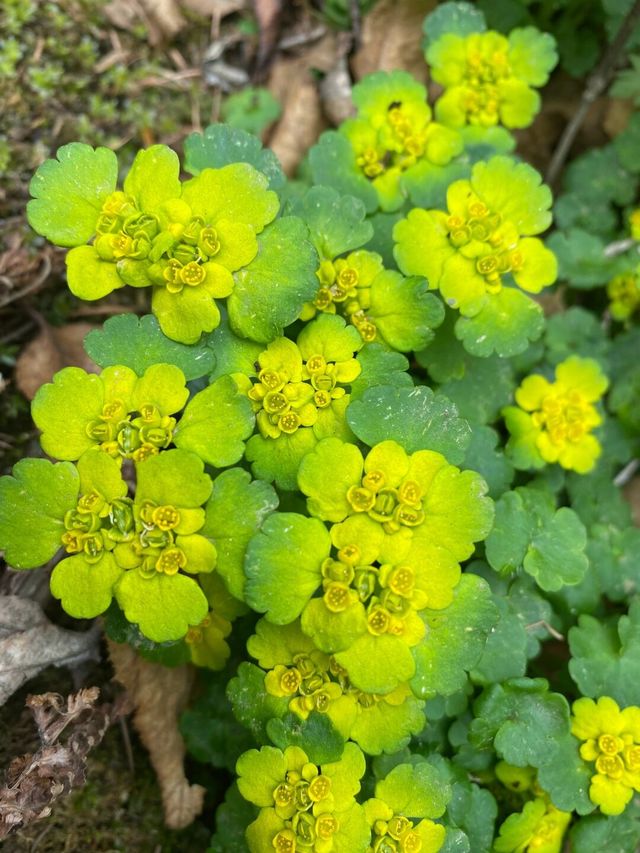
232	818
33	503
316	736
529	532
506	324
283	565
173	477
455	639
270	292
119	630
455	18
377	664
220	145
522	719
138	342
215	423
336	222
605	656
419	790
234	513
416	418
154	177
404	311
163	606
68	193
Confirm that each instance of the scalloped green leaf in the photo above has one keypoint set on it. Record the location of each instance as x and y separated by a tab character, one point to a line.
270	292
68	193
283	565
380	366
455	18
491	464
486	387
598	832
316	736
252	109
333	164
455	639
252	705
523	720
220	145
416	418
336	222
33	503
418	790
529	532
234	513
216	423
506	324
582	262
163	606
138	342
567	777
505	654
605	656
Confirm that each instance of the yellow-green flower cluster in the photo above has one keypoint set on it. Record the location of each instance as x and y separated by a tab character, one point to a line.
489	78
539	828
611	743
554	420
624	295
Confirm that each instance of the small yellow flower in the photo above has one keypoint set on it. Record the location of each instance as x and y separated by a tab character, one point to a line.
555	420
612	742
634	224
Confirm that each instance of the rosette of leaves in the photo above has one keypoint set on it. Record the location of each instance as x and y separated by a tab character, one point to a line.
391	145
488	78
294	677
136	417
383	305
481	254
299	392
190	242
400	814
144	552
328	815
363	588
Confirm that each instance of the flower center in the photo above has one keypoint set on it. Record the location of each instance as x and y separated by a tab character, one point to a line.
392	508
565	417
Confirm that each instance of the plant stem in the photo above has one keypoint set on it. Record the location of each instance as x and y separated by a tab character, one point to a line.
596	84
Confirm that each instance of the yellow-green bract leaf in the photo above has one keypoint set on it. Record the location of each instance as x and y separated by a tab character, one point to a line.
403	310
33	503
138	342
163	606
237	507
377	664
336	222
455	639
220	145
85	589
154	177
529	532
416	418
216	423
605	656
283	565
68	193
417	790
173	477
506	324
270	292
523	720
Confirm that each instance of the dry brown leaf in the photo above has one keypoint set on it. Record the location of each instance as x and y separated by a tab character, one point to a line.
269	16
221	8
29	643
54	348
291	81
391	36
162	18
33	782
159	695
617	117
